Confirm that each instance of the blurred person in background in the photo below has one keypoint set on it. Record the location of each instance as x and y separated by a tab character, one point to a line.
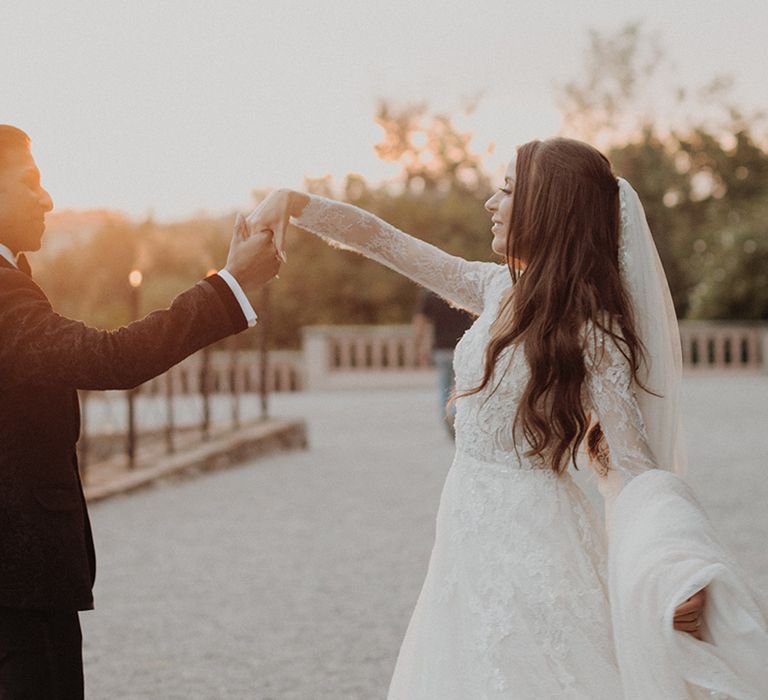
437	321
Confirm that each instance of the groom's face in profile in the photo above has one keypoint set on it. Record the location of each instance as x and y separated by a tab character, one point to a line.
23	201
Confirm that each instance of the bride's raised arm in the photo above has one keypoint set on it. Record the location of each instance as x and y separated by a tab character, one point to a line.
460	282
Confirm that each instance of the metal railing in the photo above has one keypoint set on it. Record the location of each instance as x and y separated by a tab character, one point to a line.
202	394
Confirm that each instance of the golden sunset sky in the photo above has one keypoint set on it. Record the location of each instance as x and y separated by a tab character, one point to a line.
179	107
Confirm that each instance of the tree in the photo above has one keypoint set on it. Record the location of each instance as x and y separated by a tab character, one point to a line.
438	196
433	153
698	171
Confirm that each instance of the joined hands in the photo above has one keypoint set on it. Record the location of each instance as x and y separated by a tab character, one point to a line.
273	215
258	241
252	259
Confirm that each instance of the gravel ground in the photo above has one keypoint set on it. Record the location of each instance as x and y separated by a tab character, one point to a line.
293	576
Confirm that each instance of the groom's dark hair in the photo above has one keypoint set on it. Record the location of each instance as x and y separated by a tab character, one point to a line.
11	139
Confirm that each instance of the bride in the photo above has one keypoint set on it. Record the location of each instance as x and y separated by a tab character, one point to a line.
575	346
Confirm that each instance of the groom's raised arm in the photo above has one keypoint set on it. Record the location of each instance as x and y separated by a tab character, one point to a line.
37	345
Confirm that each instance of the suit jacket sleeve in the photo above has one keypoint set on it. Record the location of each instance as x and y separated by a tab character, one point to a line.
39	346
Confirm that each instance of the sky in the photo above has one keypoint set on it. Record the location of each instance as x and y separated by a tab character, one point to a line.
175	108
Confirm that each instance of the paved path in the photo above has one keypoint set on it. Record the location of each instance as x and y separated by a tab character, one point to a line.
293	577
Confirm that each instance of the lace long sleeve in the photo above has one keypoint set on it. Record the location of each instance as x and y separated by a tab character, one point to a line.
611	393
460	282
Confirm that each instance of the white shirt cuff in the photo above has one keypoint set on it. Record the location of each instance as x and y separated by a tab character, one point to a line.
237	290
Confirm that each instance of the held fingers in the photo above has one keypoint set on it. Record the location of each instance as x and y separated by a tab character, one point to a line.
276	232
280	238
694	604
264	250
688	626
240	231
690	616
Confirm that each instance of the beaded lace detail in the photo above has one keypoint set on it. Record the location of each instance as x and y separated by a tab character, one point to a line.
623	247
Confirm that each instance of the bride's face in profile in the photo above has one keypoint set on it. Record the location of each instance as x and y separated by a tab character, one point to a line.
500	207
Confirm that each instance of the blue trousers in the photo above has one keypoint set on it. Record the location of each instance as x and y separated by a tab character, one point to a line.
443	361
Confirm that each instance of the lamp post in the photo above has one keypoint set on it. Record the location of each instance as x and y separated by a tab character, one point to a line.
205	383
170	445
234	381
135	279
264	352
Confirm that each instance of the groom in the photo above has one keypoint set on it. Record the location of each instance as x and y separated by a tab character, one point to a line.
47	564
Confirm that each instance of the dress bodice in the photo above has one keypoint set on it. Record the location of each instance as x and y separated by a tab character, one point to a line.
484	420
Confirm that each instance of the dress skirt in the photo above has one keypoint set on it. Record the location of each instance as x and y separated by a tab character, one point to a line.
515	600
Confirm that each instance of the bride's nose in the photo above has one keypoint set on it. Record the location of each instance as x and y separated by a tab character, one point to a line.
490	204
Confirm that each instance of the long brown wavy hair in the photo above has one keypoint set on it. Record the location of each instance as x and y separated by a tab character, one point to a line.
565	227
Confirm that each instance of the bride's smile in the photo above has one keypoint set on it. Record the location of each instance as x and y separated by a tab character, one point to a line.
500	207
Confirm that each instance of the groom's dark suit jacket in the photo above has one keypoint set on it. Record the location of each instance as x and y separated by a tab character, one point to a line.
46	550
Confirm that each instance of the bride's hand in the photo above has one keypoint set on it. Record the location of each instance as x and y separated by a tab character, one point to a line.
273	215
688	616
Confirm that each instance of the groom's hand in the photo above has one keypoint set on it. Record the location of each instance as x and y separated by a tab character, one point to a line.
252	259
273	214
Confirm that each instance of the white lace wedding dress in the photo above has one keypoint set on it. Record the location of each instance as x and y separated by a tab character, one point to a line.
515	604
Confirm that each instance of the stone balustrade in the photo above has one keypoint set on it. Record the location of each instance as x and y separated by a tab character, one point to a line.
338	357
724	345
